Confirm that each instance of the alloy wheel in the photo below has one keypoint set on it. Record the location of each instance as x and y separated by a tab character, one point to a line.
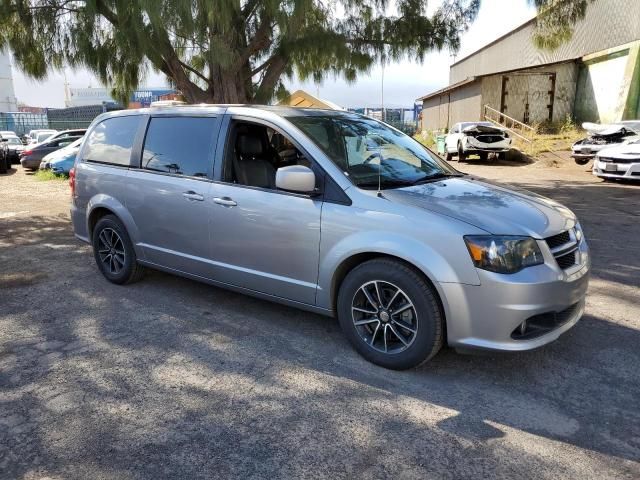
384	317
111	250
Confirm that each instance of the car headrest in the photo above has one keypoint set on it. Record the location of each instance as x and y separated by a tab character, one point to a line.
248	145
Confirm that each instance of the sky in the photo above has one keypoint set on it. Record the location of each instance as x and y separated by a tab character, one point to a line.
404	81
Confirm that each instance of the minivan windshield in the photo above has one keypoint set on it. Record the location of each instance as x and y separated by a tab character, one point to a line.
371	153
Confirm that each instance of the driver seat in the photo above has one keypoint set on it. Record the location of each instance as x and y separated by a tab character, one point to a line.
249	165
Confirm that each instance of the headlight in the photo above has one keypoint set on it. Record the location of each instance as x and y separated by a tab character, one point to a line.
503	254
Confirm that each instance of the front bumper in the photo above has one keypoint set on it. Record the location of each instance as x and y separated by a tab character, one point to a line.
582	156
630	171
485	316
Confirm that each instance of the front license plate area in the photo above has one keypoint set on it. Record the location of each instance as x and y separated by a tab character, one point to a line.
610	167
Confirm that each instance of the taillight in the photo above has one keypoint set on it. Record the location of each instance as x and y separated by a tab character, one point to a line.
27	152
72	181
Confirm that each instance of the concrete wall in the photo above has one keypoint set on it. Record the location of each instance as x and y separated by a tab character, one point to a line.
608	85
465	104
533	84
608	23
460	105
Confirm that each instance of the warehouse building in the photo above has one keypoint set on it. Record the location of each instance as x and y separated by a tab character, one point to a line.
593	77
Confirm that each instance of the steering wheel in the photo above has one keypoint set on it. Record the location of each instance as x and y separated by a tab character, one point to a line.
372	156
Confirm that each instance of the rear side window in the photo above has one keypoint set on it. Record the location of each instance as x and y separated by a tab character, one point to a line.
179	145
111	140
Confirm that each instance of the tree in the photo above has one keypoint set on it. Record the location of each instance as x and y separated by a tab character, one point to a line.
554	24
224	51
237	51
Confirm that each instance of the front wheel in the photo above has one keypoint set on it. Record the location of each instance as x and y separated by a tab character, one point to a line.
390	314
114	253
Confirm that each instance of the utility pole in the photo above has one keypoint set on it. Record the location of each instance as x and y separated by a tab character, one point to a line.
66	89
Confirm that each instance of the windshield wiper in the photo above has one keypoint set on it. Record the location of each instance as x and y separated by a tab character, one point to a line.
385	183
435	177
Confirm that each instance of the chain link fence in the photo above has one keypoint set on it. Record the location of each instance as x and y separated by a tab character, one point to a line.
53	118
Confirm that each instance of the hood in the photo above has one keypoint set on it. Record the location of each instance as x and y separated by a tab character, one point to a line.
69	156
482	129
488	206
629	150
61	153
604	130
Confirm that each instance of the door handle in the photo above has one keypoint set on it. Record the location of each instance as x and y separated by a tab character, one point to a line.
226	201
191	195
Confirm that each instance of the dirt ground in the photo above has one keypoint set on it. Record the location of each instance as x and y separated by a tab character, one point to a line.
169	378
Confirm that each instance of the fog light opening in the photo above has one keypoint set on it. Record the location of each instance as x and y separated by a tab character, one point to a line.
523	327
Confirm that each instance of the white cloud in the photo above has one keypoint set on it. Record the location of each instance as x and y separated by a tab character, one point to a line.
403	81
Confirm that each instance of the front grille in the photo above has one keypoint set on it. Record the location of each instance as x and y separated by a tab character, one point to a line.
490	138
558	240
545	322
619	160
563	246
566	261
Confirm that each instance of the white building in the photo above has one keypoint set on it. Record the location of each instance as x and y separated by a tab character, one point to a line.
8	102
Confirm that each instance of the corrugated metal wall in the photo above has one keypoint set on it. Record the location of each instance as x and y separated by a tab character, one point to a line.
609	23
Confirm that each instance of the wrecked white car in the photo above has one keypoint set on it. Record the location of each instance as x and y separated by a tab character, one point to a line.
476	138
604	136
621	162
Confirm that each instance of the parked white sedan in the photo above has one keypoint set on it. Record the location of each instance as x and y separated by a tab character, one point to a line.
620	162
603	136
476	138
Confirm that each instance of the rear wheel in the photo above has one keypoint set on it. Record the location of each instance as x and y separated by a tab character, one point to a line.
449	157
390	314
114	252
461	154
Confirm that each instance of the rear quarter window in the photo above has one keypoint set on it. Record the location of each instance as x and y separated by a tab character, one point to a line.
110	142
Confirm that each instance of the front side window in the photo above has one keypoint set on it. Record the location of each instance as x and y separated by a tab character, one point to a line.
370	153
179	145
111	141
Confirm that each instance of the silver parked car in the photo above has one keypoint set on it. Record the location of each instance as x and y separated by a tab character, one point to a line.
335	213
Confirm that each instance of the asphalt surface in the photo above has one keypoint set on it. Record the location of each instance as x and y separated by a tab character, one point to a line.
169	378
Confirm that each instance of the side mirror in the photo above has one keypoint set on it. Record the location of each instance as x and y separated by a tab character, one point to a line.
296	178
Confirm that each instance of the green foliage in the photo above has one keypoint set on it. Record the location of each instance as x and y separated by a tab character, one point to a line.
225	50
554	24
46	175
238	51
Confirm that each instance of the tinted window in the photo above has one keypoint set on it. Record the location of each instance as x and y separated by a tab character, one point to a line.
179	145
111	140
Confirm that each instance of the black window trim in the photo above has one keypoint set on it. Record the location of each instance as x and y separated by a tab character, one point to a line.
141	136
89	131
223	140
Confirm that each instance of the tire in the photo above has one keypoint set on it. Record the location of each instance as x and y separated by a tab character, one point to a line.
3	164
424	315
449	157
461	155
484	156
582	161
111	235
502	155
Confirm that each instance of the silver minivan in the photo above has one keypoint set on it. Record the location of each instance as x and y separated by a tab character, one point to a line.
335	213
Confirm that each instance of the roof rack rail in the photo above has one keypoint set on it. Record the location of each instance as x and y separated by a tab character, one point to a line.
167	103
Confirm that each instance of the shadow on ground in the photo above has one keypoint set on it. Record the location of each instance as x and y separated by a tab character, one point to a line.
172	378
